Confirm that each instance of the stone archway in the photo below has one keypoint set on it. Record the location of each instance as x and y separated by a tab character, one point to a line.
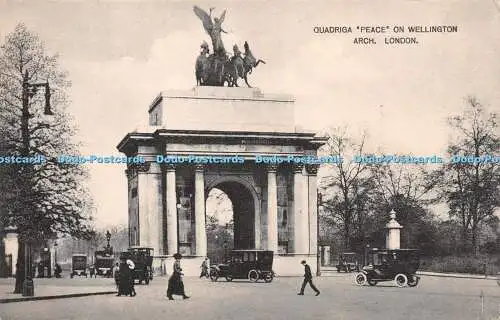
246	210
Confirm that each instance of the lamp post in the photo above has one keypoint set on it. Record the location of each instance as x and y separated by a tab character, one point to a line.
108	237
367	250
55	253
28	91
318	251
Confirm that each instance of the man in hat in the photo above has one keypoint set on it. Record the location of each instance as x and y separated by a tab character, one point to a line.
307	279
204	268
175	284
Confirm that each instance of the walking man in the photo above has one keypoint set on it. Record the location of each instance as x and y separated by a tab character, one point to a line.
307	279
204	268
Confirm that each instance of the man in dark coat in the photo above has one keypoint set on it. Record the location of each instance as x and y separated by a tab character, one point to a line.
307	279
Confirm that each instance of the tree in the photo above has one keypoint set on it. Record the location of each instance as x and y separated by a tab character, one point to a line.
348	186
470	186
47	199
407	189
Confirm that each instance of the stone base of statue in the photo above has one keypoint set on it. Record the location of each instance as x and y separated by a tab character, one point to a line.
223	109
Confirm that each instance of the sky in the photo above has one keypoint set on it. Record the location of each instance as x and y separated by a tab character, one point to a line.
121	54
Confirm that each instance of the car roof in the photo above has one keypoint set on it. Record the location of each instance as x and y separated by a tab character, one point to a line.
79	255
251	250
393	250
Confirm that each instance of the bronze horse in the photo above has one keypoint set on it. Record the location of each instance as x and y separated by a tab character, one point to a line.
216	70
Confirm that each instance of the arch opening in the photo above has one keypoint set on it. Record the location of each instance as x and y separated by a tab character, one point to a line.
230	218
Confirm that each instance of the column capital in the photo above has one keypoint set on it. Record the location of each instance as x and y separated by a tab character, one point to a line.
169	166
199	167
312	168
272	167
138	167
130	173
297	167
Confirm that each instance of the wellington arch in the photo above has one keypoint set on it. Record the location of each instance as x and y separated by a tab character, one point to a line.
217	137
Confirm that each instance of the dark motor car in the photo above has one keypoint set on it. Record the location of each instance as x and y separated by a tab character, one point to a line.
399	265
142	258
79	265
104	261
348	262
245	264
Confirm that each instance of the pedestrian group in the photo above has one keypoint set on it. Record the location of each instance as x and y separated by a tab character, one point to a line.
123	274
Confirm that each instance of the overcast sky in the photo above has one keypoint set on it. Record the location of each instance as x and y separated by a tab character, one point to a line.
121	54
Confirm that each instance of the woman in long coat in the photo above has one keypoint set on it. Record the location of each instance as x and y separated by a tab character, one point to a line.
124	275
175	284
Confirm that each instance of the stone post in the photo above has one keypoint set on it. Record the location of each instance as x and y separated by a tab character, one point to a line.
11	245
272	209
199	207
393	232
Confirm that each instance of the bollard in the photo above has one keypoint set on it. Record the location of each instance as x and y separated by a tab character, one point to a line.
28	288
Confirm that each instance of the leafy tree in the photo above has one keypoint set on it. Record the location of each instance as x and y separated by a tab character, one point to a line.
471	189
42	200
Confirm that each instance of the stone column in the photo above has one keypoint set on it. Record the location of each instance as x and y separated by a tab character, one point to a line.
199	207
272	209
393	232
300	220
312	171
144	199
171	203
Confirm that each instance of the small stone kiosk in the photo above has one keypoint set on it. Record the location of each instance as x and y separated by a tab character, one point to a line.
393	232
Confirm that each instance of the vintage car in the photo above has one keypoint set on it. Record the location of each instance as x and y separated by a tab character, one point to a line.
348	262
245	264
399	265
142	261
104	261
79	265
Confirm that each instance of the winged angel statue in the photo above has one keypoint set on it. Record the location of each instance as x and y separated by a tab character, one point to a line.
219	68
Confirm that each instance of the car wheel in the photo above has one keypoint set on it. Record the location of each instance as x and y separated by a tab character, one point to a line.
253	275
229	278
268	277
372	282
360	279
146	280
413	281
401	280
338	270
214	275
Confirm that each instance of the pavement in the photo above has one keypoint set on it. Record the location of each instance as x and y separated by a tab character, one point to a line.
52	288
47	289
436	298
